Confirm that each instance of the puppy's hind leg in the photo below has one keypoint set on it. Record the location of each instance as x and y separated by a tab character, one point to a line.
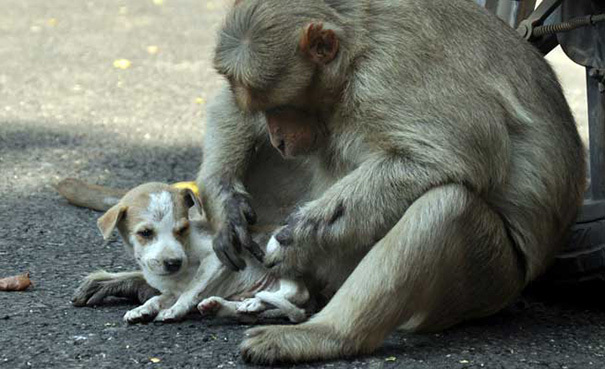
219	306
99	285
286	299
448	259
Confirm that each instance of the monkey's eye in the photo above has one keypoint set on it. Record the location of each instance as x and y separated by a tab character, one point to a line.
145	233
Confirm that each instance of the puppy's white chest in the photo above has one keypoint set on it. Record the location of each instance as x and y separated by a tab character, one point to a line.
172	285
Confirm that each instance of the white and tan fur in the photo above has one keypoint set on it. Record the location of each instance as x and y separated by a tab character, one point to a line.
174	252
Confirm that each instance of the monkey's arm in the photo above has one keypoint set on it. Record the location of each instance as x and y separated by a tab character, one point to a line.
356	211
228	148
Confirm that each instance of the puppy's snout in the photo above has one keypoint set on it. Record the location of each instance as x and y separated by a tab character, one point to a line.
173	265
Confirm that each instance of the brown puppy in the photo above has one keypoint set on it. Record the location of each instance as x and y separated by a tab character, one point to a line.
174	252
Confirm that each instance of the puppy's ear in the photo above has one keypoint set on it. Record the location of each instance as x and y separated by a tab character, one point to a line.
108	222
191	199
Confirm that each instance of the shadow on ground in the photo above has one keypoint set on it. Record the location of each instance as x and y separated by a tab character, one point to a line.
59	244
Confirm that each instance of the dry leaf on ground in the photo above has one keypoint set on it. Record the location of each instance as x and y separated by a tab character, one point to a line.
15	283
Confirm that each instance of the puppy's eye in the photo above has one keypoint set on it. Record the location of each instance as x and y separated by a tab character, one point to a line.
145	233
182	230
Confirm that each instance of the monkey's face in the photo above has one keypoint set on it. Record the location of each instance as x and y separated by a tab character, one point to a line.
273	57
295	132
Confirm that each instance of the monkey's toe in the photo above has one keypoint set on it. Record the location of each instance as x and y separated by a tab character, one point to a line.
293	344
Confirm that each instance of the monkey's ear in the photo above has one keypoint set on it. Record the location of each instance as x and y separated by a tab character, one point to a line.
319	44
108	222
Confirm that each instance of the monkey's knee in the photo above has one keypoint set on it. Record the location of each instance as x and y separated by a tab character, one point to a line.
467	266
447	260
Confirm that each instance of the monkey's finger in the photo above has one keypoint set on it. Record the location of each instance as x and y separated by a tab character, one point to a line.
248	243
227	254
248	212
285	236
222	256
256	251
227	238
235	260
220	243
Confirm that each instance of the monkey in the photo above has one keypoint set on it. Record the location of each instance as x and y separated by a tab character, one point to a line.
438	175
448	177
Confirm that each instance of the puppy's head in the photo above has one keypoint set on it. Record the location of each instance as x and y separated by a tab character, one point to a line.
154	224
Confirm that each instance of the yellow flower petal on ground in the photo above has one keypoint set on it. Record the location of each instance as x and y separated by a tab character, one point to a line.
122	63
158	2
190	185
200	100
152	49
155	360
52	22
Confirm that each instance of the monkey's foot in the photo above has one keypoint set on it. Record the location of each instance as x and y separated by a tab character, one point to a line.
293	344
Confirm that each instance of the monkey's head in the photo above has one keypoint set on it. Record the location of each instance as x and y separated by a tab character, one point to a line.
284	58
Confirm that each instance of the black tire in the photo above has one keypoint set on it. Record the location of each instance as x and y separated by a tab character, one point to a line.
583	258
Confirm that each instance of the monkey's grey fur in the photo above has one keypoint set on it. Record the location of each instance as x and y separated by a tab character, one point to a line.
96	286
449	179
453	166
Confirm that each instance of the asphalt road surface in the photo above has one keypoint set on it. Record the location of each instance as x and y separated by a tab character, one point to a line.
67	111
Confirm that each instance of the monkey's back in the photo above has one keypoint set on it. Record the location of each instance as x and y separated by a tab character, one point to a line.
476	100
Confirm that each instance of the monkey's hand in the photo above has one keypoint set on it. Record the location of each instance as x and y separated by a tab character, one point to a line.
282	257
290	250
233	235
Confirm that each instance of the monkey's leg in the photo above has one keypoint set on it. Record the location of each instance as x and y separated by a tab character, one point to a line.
99	285
447	260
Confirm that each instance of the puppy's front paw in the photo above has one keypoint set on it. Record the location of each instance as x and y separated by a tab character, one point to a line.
141	314
174	314
210	306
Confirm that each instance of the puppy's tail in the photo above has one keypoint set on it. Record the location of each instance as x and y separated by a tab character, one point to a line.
87	195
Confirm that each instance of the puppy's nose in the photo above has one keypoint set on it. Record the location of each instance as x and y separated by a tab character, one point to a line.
173	265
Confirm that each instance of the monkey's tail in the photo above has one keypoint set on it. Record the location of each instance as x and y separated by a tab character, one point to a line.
87	195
